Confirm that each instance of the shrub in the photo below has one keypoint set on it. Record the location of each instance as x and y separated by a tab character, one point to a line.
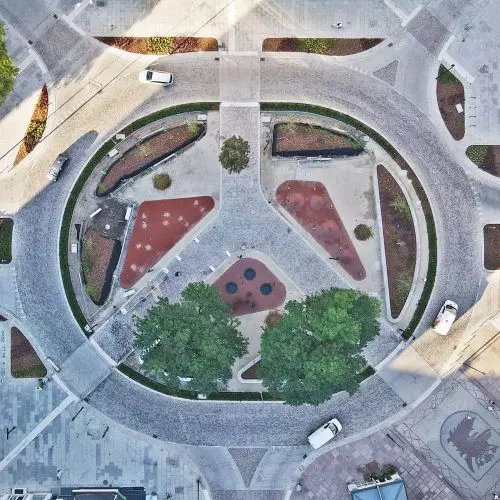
8	71
192	128
477	154
401	205
162	181
273	318
315	45
234	155
145	149
161	45
363	232
93	292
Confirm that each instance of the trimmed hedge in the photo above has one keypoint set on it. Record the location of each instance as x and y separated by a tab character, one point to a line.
183	393
426	207
80	183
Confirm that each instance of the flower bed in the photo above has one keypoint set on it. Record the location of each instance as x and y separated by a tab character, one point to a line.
161	45
324	46
491	233
399	240
252	372
99	259
450	92
24	361
36	126
487	158
303	139
6	227
148	153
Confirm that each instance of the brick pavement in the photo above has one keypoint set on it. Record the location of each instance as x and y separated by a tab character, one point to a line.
327	477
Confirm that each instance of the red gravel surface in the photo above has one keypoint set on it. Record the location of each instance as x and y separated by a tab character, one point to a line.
310	204
247	297
159	225
146	153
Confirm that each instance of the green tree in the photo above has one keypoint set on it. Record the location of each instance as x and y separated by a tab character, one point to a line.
195	337
234	155
314	350
7	69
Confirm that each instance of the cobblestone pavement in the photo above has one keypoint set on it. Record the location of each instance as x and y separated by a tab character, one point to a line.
327	477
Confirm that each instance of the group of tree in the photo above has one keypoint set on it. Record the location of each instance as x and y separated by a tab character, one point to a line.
310	353
8	71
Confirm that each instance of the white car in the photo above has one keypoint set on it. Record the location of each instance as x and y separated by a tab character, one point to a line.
325	433
445	318
156	77
55	169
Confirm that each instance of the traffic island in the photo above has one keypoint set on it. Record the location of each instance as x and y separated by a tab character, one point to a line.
24	361
451	102
486	157
323	46
491	233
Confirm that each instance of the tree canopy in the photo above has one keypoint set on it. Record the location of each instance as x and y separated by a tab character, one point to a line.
7	69
314	350
234	155
195	337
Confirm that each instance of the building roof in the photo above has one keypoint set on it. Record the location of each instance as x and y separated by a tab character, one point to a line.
394	490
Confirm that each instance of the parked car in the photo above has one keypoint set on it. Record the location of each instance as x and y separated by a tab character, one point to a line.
325	433
156	77
57	166
445	318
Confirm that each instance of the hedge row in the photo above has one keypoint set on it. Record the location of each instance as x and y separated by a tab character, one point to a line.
426	207
80	183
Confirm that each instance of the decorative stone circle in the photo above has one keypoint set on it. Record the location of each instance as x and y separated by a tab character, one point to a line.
249	273
266	288
231	287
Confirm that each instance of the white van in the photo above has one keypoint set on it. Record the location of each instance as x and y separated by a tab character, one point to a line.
156	77
325	433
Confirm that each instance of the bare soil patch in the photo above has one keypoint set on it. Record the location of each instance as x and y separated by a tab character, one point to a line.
491	234
99	259
450	92
486	157
252	373
300	139
148	153
36	126
310	204
324	46
24	361
159	225
6	227
399	240
249	286
161	45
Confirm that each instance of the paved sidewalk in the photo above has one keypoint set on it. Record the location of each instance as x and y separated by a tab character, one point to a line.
327	477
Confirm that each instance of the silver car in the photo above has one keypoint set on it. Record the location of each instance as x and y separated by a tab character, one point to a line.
156	77
55	169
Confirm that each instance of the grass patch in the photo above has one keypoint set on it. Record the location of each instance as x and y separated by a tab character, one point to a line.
182	393
367	372
446	76
426	207
82	179
6	227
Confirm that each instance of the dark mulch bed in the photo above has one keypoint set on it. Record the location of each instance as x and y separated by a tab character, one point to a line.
487	158
36	126
252	373
450	92
146	154
6	227
99	259
3	318
325	46
24	361
491	234
303	138
177	44
399	242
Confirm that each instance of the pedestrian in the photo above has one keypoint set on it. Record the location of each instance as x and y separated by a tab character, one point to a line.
496	496
491	405
177	273
58	475
339	25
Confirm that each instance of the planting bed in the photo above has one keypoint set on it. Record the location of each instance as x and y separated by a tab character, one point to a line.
251	373
36	126
325	46
6	226
303	139
159	225
487	158
146	154
491	234
450	92
312	207
160	45
248	286
24	361
100	256
399	240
